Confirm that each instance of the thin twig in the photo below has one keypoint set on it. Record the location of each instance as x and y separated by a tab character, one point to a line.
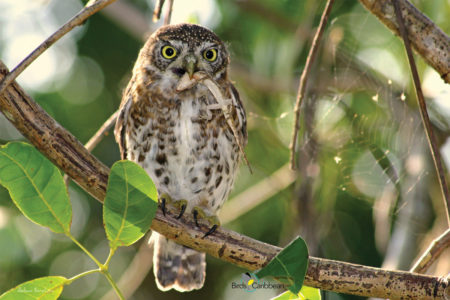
66	152
96	138
158	10
423	112
432	253
430	41
304	78
168	14
257	194
101	132
77	20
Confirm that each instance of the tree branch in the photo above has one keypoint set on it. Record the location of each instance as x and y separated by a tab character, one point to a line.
425	37
55	142
432	142
432	253
304	79
91	8
69	155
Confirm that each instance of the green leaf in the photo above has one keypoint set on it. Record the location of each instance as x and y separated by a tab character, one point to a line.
130	204
44	288
289	266
309	293
36	186
306	293
288	295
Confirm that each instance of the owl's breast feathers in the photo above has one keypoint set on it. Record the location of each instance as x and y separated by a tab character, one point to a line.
187	149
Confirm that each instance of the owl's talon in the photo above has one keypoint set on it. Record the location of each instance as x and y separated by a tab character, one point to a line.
163	206
195	217
180	206
211	230
164	199
183	209
210	220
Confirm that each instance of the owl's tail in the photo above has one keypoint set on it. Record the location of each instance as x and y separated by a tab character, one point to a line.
176	266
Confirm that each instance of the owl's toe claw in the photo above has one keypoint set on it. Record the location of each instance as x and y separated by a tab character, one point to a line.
211	230
182	210
164	198
212	220
196	217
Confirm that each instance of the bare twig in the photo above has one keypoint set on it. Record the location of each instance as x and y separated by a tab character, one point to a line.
426	38
91	8
67	153
423	111
158	9
168	13
96	138
101	132
256	194
304	78
432	253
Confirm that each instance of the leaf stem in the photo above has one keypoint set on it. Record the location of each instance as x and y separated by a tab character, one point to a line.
99	264
111	253
113	284
103	268
70	280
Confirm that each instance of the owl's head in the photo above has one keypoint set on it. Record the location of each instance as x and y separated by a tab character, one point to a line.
174	50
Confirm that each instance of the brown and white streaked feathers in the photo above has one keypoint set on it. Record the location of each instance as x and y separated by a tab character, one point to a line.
188	149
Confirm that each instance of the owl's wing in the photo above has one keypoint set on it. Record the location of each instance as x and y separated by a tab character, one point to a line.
242	119
121	123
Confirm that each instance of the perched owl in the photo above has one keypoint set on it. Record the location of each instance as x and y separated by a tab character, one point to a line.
182	139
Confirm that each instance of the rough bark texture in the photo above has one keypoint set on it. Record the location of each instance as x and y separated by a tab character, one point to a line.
55	142
425	37
70	156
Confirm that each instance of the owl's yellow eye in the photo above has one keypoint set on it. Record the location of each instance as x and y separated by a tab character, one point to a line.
210	55
168	52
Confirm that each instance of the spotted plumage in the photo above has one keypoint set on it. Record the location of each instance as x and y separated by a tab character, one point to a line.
187	148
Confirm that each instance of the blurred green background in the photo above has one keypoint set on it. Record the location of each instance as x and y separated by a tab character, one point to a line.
365	191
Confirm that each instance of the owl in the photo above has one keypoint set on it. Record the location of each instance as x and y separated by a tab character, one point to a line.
181	138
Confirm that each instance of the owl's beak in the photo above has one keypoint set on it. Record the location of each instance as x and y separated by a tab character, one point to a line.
190	65
190	68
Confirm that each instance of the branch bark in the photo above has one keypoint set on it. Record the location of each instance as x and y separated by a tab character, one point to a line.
69	155
425	37
432	253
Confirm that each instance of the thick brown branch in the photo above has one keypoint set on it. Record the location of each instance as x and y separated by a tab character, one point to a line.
68	154
61	147
322	273
425	37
